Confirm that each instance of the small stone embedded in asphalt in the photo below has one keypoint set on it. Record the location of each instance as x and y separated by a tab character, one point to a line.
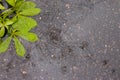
64	69
27	56
54	34
84	44
24	72
105	62
67	5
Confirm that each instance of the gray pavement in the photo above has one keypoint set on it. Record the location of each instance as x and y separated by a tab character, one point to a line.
79	40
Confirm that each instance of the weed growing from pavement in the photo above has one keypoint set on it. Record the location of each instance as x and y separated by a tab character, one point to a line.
16	22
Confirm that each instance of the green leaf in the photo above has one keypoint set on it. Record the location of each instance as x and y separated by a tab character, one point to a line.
14	19
8	22
20	50
1	24
2	7
32	37
11	2
0	40
30	12
2	31
5	44
24	24
25	5
8	11
18	5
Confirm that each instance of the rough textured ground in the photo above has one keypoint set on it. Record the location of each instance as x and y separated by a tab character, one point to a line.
79	40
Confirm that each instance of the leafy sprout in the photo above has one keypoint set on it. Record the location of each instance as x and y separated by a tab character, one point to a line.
15	22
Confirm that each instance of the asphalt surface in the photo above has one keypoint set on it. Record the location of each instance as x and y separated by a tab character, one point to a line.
78	40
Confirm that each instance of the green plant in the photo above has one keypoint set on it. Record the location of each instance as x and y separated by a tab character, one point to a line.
16	22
